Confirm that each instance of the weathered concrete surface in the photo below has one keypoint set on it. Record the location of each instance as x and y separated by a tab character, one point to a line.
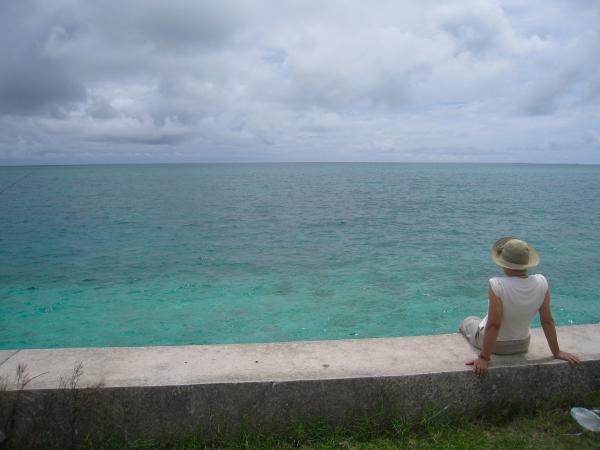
152	390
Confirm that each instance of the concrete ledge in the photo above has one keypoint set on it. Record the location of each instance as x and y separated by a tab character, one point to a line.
148	391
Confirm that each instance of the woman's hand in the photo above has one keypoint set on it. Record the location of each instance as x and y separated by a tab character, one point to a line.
569	357
480	366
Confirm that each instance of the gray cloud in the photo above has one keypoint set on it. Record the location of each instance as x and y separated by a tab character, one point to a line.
110	81
31	82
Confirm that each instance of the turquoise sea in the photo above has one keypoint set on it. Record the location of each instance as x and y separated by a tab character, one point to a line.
129	255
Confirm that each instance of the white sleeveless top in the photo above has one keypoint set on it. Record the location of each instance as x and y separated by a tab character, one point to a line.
521	300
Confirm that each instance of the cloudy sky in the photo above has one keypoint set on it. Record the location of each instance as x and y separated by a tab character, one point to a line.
197	81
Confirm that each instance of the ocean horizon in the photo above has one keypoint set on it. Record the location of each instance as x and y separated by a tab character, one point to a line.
269	162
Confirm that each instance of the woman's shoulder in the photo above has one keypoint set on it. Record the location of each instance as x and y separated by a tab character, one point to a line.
496	285
538	276
540	279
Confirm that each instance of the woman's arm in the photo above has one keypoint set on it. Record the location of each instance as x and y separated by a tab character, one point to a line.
492	328
547	322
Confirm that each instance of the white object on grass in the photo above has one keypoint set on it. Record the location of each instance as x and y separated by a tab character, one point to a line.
588	419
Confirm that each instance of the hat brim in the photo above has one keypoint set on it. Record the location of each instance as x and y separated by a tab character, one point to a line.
496	253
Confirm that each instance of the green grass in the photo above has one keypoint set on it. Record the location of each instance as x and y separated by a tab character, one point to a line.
513	425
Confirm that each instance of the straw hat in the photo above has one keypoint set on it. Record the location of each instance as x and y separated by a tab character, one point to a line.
514	253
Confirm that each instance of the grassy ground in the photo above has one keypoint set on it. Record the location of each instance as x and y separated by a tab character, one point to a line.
534	425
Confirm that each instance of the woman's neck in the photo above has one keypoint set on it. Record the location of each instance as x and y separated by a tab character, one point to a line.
515	273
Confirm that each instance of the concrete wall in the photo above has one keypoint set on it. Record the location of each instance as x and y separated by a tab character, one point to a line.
151	391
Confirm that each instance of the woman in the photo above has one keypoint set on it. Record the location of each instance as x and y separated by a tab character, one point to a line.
513	302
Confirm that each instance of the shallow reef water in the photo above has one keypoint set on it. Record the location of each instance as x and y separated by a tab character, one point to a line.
229	253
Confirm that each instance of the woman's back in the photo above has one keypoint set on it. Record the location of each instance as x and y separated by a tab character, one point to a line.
521	300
